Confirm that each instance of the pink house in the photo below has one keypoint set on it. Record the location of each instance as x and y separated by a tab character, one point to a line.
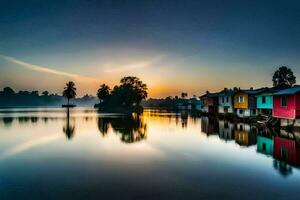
286	103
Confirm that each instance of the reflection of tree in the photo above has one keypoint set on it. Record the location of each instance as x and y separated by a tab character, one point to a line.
132	128
282	167
184	120
68	128
33	119
7	121
103	125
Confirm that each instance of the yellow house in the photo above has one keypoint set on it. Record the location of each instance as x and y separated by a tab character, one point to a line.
241	100
245	102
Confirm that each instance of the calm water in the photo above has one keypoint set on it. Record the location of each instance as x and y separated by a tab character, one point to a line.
160	155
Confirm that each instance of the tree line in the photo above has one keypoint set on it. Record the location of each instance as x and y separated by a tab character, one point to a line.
11	98
128	95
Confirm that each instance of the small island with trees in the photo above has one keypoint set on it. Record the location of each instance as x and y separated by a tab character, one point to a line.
124	98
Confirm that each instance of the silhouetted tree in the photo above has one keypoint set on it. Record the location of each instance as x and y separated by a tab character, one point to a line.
134	89
45	93
35	93
183	95
8	91
103	92
69	91
283	76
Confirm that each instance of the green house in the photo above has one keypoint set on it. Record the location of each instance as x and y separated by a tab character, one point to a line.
264	101
265	145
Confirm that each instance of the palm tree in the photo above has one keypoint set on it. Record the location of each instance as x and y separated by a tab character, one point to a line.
69	91
103	92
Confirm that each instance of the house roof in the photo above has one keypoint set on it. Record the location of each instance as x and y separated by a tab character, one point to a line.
210	95
292	90
253	91
228	92
268	91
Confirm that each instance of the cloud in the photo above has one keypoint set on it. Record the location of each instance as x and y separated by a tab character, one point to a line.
110	68
43	69
27	146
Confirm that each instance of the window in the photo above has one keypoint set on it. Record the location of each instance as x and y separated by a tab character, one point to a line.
264	147
227	99
240	99
283	101
241	127
222	99
263	99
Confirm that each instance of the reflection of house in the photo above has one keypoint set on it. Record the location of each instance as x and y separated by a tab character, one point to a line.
209	126
286	103
204	124
244	134
245	102
209	103
265	145
286	150
226	130
225	98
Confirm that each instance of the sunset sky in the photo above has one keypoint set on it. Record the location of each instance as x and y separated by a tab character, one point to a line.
173	46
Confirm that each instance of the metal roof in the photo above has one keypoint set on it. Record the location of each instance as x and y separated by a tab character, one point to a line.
292	90
252	91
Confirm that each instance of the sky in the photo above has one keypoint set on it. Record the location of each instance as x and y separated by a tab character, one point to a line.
173	46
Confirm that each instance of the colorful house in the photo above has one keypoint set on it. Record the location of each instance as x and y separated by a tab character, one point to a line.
265	145
264	101
245	135
204	103
209	103
194	103
225	99
245	102
286	103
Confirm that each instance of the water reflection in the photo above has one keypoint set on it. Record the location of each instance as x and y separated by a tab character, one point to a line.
281	145
209	126
245	134
156	152
226	130
69	128
130	128
7	121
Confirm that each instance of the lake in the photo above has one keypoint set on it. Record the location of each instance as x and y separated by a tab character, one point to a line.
159	155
